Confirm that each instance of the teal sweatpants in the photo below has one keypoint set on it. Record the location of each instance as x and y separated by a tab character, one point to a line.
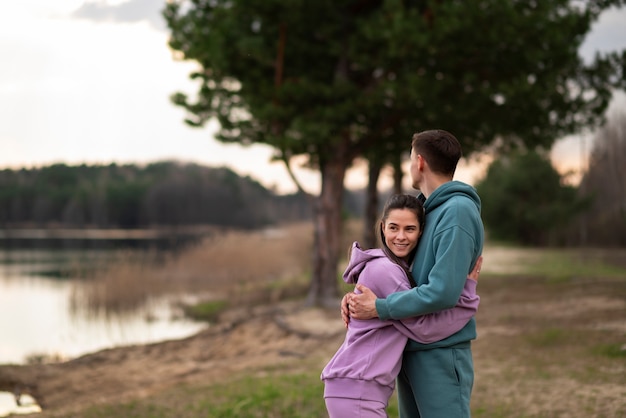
436	383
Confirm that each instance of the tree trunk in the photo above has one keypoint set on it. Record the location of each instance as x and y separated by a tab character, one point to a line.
324	289
371	205
397	175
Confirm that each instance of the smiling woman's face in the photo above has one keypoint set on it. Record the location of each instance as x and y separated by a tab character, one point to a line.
402	231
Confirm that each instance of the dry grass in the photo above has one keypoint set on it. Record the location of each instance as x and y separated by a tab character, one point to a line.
551	348
246	256
227	264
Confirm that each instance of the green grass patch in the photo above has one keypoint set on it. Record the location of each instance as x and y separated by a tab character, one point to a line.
554	338
610	350
205	311
270	396
562	266
566	337
279	395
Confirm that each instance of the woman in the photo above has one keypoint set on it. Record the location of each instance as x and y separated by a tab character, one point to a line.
360	378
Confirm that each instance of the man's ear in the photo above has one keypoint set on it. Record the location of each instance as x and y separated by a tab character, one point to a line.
421	162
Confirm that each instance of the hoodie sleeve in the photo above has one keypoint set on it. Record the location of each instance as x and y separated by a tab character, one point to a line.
439	325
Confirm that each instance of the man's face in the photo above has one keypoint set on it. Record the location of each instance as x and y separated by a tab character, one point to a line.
414	170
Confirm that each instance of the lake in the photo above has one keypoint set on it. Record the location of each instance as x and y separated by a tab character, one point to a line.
38	278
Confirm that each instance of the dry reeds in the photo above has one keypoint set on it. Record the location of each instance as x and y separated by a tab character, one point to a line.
228	263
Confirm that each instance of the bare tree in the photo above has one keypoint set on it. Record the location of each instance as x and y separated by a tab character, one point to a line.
605	181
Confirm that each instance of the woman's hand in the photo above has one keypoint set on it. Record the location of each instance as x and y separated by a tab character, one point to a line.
476	270
345	312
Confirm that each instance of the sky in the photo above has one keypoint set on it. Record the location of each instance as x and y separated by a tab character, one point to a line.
88	81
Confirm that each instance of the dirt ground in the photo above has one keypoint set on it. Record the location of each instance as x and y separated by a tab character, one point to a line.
533	358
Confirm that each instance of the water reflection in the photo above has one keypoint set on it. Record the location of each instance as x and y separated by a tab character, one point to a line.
39	321
9	406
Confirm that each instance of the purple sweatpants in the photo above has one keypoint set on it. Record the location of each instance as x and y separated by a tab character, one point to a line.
355	408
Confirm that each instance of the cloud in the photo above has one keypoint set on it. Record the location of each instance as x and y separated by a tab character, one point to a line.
126	12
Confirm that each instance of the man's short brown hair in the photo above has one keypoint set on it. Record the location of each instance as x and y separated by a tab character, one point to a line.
441	150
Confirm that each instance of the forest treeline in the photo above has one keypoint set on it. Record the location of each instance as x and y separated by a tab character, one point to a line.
139	196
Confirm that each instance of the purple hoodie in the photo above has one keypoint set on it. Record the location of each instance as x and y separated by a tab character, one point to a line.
368	361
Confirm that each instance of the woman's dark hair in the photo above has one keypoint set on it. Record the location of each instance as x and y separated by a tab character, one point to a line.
401	201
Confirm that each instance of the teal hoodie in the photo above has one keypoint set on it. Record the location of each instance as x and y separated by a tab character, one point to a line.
451	243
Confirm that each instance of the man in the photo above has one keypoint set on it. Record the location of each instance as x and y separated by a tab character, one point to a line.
436	379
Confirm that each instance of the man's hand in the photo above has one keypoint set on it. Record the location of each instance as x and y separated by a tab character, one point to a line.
361	306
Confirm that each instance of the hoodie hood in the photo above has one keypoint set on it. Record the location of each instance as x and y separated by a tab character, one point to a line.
448	190
358	259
